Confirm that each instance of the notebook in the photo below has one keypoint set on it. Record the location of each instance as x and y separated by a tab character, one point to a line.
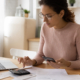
7	64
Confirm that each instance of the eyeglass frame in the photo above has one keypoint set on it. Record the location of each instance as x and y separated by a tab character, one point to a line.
48	17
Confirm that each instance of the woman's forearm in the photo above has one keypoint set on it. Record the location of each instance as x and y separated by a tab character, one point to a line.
75	64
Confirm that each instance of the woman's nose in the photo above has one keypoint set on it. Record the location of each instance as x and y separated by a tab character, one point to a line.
44	19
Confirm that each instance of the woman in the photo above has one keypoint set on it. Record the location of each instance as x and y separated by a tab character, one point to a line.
59	38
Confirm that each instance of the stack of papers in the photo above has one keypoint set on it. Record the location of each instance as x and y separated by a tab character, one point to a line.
52	74
42	74
59	77
46	74
16	77
4	76
24	77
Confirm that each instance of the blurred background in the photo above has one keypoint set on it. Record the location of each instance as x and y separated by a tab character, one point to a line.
21	8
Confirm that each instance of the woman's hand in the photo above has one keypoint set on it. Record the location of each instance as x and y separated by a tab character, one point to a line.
26	61
59	63
53	64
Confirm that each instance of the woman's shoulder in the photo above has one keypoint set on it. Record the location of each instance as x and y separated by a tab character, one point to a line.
44	27
74	25
75	28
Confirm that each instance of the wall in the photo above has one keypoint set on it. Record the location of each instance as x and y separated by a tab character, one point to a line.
77	3
77	15
27	4
7	8
24	3
10	7
76	11
2	3
31	8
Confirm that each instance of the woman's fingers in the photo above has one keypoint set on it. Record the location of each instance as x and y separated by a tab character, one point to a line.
55	65
23	64
26	58
20	60
29	62
63	62
60	61
25	61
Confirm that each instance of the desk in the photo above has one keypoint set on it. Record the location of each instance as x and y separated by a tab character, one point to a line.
46	66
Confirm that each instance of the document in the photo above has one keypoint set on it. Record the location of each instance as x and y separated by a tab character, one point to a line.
45	74
52	72
24	77
43	77
42	71
59	77
42	74
9	74
4	76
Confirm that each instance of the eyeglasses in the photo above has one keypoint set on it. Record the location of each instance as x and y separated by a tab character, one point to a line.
47	16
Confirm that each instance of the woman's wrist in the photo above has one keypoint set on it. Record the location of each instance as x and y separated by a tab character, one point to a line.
34	62
69	63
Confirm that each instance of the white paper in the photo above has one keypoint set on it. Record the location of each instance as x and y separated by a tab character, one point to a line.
34	70
52	72
42	74
42	71
25	77
43	77
59	77
4	76
28	66
8	74
18	79
33	78
66	77
74	77
45	74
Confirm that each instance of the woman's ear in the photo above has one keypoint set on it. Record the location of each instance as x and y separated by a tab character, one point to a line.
61	14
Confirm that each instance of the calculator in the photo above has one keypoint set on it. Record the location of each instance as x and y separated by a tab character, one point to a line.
19	71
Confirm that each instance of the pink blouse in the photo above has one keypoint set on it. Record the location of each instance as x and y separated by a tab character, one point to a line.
60	43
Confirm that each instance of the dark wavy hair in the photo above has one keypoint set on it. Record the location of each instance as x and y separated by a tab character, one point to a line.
57	6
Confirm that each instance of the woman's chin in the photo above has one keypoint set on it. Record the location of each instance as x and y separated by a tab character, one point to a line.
50	26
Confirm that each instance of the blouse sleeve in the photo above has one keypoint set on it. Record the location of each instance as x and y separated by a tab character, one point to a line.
39	55
76	64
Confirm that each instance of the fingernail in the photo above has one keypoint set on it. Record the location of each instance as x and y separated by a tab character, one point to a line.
23	66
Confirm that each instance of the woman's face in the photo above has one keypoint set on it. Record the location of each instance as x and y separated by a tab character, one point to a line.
50	17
